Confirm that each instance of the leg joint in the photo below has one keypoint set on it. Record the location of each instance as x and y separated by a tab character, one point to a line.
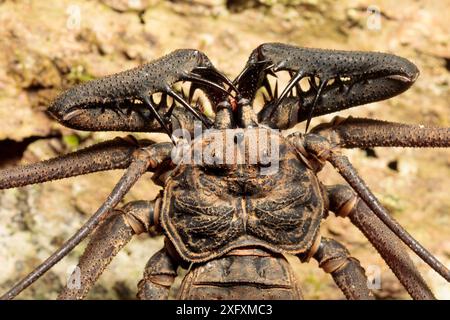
342	200
141	216
331	255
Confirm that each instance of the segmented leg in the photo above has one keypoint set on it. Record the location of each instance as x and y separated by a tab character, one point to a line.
368	133
344	202
346	271
107	240
108	155
159	275
322	149
143	159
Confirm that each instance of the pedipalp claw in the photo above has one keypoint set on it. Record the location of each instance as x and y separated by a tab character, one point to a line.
322	85
266	84
183	102
192	90
294	80
196	78
214	74
157	116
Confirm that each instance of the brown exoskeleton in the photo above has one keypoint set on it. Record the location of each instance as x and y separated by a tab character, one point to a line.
238	196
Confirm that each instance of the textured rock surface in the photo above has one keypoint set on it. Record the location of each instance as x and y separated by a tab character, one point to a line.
46	46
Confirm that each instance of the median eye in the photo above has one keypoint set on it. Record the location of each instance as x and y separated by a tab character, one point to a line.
265	165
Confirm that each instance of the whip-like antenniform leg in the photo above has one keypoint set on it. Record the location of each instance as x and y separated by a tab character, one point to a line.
159	275
346	271
106	241
368	133
344	203
143	159
108	155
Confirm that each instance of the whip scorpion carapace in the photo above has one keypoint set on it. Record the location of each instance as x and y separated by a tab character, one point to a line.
254	195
